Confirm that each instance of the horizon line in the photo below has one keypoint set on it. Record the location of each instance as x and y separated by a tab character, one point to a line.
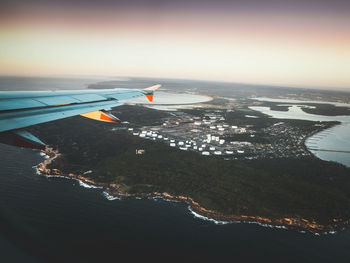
272	85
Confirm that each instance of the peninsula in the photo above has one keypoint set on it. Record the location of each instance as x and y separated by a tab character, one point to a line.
295	190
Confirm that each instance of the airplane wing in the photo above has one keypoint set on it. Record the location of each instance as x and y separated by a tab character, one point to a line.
22	109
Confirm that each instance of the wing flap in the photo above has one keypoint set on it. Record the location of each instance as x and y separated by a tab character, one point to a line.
57	100
15	104
88	97
101	116
124	95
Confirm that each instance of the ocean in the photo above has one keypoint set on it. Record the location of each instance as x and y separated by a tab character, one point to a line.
58	220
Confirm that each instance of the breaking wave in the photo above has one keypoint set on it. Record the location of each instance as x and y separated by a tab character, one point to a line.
81	183
44	155
217	222
110	197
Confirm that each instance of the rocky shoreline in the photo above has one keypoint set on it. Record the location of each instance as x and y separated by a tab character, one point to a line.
115	191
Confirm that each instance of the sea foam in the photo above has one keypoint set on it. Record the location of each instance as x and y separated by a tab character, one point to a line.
217	222
110	197
81	183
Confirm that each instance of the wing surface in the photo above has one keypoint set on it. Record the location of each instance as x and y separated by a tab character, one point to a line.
22	109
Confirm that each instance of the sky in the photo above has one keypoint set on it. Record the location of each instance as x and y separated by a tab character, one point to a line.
291	43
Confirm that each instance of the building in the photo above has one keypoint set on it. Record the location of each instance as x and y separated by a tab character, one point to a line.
140	151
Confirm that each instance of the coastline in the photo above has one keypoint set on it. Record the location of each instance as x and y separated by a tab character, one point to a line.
113	191
314	150
336	123
340	120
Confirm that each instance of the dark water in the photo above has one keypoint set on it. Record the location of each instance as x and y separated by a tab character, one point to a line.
46	219
56	220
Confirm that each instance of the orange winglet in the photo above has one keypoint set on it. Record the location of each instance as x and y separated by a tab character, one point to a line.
100	116
108	118
149	97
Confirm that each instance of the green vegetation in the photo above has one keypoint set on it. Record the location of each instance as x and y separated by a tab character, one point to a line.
218	101
308	188
327	109
238	117
139	116
276	106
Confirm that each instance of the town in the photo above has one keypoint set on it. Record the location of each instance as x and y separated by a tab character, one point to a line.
212	135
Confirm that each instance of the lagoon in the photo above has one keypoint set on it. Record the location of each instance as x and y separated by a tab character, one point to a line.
335	138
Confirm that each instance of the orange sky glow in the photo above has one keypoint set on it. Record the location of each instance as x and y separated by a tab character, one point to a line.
284	48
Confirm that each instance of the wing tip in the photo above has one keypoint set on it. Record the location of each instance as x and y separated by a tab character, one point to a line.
153	88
